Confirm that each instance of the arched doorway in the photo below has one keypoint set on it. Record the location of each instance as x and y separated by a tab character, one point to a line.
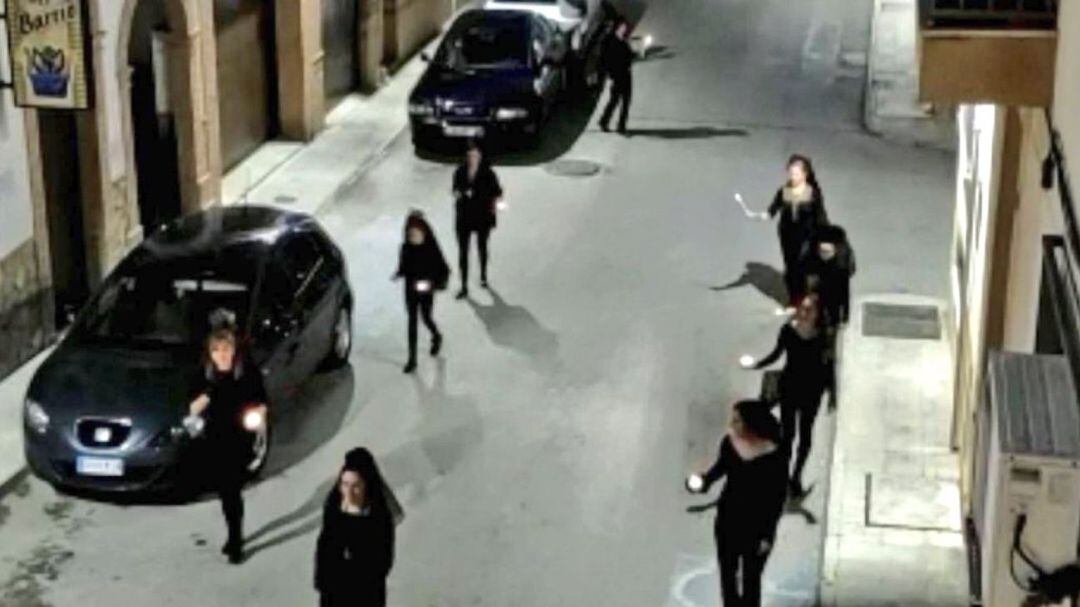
151	57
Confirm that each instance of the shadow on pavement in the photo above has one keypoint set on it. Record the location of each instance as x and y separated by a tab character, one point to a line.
766	279
307	517
450	428
312	419
656	53
569	119
693	132
516	328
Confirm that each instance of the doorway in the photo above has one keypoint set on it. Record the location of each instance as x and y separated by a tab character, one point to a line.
154	126
246	76
60	166
340	48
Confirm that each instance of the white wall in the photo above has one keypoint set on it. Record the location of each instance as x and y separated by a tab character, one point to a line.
16	206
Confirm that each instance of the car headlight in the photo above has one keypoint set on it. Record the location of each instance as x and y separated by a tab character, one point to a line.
36	417
511	113
421	109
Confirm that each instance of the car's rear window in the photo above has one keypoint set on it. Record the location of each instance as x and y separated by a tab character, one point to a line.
169	301
496	43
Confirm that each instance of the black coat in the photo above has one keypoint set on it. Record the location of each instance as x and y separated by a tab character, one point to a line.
230	393
799	221
475	200
423	262
617	58
354	555
831	280
753	497
806	364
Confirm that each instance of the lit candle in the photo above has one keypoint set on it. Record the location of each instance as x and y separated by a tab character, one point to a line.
695	483
254	420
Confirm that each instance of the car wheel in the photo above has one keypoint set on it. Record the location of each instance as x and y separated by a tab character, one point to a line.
260	450
340	340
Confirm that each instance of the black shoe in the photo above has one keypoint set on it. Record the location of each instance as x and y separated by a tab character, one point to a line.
236	556
410	366
623	131
484	283
462	294
605	128
436	345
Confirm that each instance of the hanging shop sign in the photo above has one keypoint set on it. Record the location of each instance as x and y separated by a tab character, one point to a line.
48	53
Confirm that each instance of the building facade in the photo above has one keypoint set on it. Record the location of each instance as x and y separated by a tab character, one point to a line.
183	90
1013	193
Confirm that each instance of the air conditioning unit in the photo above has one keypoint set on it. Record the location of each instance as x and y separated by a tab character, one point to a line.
1026	477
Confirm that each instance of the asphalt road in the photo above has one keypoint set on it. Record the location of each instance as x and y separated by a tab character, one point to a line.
540	460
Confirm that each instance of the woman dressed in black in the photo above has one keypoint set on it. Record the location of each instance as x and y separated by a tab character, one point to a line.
804	345
477	193
422	265
753	460
232	391
801	207
355	550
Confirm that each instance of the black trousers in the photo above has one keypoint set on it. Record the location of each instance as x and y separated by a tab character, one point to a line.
797	416
229	485
419	305
735	557
464	237
621	92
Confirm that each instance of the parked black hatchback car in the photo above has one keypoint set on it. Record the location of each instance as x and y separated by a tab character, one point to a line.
496	74
104	411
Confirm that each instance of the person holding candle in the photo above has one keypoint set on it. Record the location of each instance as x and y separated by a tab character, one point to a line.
422	265
754	461
478	197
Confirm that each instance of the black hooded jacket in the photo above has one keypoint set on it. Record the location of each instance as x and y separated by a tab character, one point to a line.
423	262
830	279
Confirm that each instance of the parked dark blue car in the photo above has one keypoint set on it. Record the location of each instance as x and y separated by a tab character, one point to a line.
104	411
496	74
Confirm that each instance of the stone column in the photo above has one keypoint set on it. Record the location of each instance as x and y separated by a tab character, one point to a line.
301	97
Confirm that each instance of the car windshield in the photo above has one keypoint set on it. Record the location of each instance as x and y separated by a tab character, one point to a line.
169	301
486	45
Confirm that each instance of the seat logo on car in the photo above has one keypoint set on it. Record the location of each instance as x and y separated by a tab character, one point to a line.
102	435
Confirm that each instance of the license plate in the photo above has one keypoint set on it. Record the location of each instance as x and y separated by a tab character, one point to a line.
99	466
451	130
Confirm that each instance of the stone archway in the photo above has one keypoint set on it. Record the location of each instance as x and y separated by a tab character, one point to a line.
192	90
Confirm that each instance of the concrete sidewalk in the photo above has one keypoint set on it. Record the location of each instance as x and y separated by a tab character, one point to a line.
893	524
892	108
304	177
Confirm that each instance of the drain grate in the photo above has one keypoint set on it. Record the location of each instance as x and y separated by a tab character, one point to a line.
573	168
901	321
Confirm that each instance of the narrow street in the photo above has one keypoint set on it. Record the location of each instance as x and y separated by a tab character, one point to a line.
540	460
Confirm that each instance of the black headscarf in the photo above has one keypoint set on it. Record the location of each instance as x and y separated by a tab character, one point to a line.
360	461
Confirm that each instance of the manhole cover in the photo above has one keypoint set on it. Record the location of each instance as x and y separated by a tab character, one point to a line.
573	168
901	321
284	199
